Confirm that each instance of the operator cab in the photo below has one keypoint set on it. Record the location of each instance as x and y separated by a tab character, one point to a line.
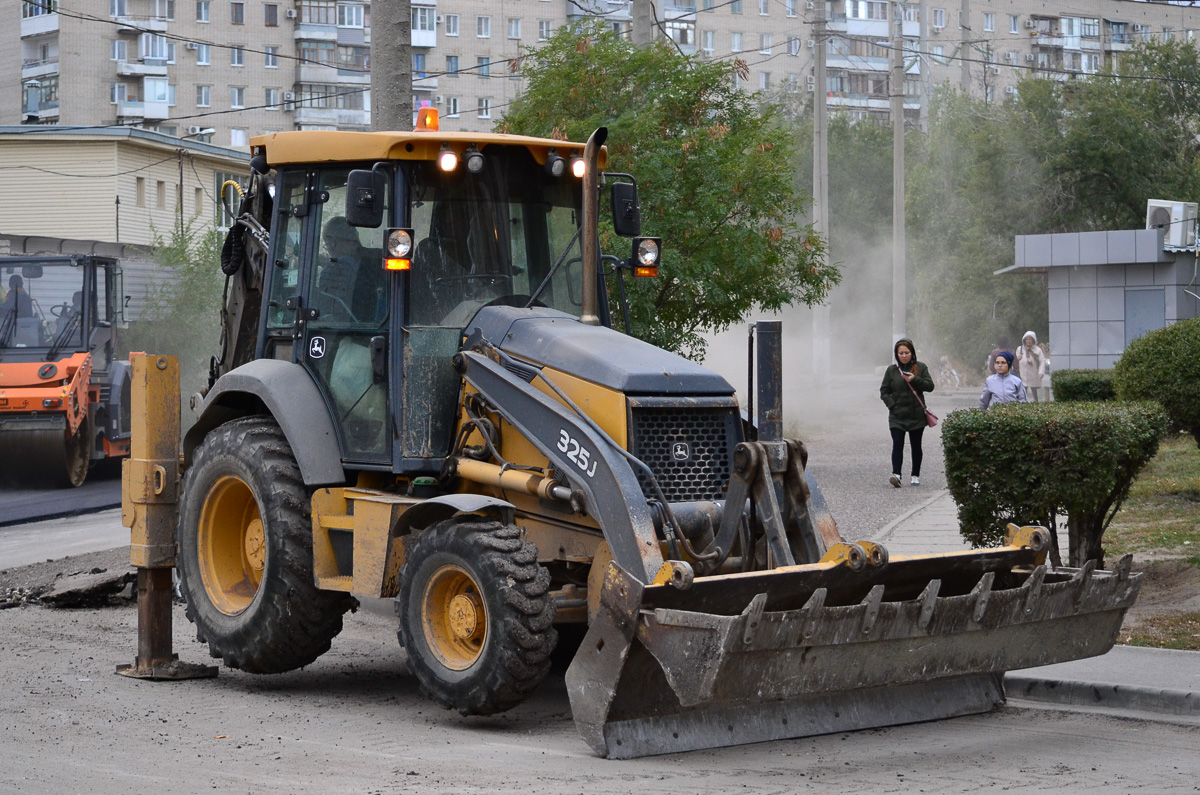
51	307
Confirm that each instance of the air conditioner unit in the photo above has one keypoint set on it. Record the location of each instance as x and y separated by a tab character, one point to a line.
1010	89
191	45
1176	219
811	87
1028	56
809	5
811	44
194	130
289	96
290	13
994	70
1029	23
1010	56
439	19
437	100
938	28
810	79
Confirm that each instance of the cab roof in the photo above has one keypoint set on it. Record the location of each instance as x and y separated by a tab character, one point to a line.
327	146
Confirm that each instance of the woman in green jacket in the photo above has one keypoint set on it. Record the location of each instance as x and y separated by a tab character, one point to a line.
906	414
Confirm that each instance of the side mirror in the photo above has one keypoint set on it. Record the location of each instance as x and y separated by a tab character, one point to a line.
365	194
31	271
627	213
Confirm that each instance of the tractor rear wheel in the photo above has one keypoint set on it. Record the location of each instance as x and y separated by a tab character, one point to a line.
245	552
475	615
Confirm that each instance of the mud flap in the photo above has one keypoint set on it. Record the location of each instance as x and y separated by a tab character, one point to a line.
820	648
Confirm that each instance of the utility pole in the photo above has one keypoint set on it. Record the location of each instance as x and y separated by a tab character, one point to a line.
641	23
924	64
899	265
964	47
820	318
391	65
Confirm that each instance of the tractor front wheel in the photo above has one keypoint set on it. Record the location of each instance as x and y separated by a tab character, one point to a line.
245	552
475	615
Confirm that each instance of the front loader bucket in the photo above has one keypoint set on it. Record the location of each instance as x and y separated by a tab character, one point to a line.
819	648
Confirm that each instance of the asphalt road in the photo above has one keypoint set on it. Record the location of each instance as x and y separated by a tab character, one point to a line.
102	489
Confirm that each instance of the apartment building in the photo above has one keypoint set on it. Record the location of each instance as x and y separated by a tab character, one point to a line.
222	71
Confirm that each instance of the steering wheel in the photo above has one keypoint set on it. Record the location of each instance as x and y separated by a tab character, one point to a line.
340	311
58	310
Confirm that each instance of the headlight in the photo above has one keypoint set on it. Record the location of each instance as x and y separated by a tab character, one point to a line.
646	254
474	160
578	167
399	243
447	159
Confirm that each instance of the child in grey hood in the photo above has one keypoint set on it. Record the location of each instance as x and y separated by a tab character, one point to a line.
1003	387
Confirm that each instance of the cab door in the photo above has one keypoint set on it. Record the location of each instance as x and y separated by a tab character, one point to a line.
329	306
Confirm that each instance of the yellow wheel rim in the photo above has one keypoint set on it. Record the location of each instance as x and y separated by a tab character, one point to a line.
454	617
232	545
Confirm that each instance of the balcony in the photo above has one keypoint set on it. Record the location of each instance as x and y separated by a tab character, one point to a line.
131	109
1046	40
422	81
136	25
424	38
147	68
325	117
312	32
36	67
1117	43
36	26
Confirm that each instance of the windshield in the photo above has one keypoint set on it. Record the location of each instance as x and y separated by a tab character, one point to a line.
41	305
492	237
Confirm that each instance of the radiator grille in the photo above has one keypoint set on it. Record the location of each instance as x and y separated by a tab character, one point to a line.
687	448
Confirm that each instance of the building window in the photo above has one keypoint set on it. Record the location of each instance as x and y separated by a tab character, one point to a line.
318	52
735	6
764	80
483	27
349	16
764	7
483	66
164	9
484	109
789	7
140	192
155	89
203	55
201	10
452	106
452	66
354	58
939	18
271	98
793	45
1091	27
198	201
237	137
989	23
160	194
764	43
38	8
706	5
452	24
116	8
424	18
271	15
1168	34
237	97
271	54
153	46
545	29
203	96
418	65
707	40
117	50
735	42
939	53
237	13
314	95
681	32
237	56
514	28
1014	23
318	12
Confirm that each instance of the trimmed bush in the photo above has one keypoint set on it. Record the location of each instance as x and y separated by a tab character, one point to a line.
1027	463
1164	366
1083	385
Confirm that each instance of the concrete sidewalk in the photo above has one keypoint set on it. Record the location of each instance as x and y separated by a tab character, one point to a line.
1140	682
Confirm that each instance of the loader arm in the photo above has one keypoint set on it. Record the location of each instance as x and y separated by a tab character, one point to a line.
591	463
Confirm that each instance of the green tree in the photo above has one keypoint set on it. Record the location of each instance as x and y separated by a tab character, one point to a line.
182	311
714	169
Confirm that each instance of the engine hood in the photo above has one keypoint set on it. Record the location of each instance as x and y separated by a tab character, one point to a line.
594	353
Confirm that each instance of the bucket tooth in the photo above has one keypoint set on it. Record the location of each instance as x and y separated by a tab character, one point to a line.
981	592
928	600
872	600
811	610
1033	587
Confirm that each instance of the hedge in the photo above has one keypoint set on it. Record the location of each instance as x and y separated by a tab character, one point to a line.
1083	385
1164	366
1029	462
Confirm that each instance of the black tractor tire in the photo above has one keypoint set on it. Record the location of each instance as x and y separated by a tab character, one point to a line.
498	655
245	552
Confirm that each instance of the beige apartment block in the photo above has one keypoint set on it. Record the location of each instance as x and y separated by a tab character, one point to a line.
222	71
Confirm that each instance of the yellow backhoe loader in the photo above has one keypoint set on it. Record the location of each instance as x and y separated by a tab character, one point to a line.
419	396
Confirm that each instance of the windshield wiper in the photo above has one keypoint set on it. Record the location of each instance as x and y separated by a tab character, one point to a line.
61	338
561	258
7	325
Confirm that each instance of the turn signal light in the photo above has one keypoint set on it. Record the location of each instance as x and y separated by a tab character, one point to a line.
397	264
